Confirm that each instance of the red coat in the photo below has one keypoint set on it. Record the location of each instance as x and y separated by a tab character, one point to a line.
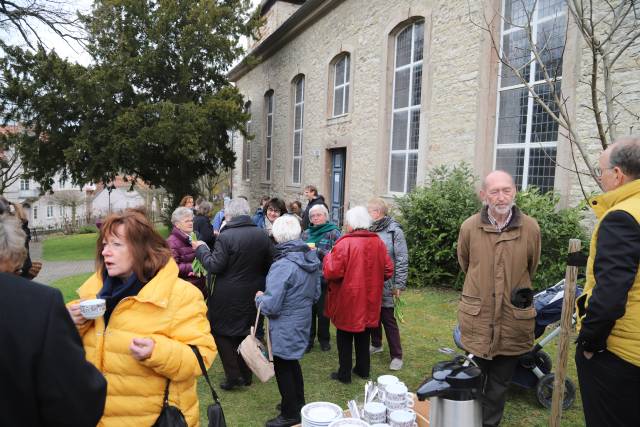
356	269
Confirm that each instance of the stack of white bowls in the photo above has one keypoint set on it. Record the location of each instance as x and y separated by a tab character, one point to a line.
320	414
349	422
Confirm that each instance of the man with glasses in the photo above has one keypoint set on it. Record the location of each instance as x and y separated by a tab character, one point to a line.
499	250
608	350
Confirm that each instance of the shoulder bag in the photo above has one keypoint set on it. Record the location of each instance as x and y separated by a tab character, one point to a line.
170	416
214	411
259	360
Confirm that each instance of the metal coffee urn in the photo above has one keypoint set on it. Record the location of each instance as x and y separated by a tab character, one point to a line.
453	392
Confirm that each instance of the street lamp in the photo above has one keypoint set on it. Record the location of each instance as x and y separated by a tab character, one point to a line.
110	188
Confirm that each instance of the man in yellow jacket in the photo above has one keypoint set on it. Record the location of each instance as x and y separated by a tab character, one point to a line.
608	351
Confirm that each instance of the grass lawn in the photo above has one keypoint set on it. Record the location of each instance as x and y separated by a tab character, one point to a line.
430	316
78	246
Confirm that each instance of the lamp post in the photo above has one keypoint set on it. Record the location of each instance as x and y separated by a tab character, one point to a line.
110	188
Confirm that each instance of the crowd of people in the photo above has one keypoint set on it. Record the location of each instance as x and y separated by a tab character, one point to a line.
302	272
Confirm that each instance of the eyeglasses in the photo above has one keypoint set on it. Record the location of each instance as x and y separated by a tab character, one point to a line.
597	170
273	210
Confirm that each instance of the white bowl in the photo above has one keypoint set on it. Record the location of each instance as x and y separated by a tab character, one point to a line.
349	422
93	308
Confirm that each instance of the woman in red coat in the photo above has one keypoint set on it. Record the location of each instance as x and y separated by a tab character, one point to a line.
356	269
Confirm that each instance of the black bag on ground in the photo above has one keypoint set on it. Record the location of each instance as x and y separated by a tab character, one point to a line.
170	416
214	411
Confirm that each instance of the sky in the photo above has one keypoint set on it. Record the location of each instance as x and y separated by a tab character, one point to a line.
72	51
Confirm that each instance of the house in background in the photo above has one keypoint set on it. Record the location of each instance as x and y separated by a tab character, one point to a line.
364	97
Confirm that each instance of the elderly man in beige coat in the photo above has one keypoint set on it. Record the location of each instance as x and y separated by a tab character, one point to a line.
499	250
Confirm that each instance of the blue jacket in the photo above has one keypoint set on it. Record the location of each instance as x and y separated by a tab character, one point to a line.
258	218
217	220
293	286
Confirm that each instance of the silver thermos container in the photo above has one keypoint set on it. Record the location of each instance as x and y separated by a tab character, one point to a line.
453	392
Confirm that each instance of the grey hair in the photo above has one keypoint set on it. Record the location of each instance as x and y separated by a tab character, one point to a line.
286	228
358	218
236	207
12	240
204	208
625	154
320	208
180	213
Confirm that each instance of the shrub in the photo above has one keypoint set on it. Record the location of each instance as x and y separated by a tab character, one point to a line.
557	226
87	229
431	218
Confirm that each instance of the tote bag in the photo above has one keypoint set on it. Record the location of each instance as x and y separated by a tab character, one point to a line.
259	360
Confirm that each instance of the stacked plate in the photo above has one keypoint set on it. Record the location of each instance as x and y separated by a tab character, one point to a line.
320	414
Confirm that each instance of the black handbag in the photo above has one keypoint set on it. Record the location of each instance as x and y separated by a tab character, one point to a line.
170	416
214	411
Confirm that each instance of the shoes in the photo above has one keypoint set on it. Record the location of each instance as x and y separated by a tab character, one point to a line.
374	350
364	377
325	346
396	364
335	376
231	384
281	421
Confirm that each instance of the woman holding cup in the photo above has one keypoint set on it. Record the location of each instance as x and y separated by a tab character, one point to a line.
321	235
151	317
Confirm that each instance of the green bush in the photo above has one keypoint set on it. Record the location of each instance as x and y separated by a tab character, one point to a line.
557	226
87	229
431	217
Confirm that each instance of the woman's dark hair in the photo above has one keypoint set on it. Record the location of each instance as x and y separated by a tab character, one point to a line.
149	250
277	204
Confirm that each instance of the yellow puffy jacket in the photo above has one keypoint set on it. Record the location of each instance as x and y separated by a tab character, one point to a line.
172	312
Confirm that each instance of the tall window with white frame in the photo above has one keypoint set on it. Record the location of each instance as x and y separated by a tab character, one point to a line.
526	135
406	107
24	184
268	102
298	125
246	146
341	86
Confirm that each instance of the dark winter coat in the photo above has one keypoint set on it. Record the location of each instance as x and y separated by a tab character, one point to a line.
306	221
240	261
356	269
293	286
184	255
204	230
45	379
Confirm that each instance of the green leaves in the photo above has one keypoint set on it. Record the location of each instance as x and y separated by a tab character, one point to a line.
156	103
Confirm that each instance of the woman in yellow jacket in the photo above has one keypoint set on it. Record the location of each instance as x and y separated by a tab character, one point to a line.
151	318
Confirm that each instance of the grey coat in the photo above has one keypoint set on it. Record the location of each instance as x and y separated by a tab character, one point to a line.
393	238
293	286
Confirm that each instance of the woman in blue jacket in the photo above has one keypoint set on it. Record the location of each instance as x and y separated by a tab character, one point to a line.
293	286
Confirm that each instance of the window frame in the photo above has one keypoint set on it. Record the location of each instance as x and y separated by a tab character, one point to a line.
345	85
49	210
411	65
246	145
269	104
528	145
24	184
297	131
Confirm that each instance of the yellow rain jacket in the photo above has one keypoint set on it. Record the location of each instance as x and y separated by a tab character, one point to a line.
168	310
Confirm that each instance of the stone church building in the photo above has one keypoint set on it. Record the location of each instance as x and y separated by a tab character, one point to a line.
363	98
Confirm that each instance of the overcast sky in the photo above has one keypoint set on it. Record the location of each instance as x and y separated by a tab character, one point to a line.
72	51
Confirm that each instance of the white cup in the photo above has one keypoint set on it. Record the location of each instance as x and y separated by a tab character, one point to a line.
93	308
398	392
375	412
384	381
393	405
403	418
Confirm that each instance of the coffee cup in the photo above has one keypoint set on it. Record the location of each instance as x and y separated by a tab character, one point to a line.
375	412
93	308
403	418
384	381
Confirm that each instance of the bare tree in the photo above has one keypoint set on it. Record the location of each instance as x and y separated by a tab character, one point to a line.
28	17
69	199
609	28
209	186
10	168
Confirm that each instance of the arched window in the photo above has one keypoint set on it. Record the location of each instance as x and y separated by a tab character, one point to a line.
298	125
341	68
246	146
406	108
268	107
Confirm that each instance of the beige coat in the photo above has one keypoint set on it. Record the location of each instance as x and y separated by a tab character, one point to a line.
495	265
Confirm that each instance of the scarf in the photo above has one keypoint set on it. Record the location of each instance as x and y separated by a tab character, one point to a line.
114	290
380	224
316	232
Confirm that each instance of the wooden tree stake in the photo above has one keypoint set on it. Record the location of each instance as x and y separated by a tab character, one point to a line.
570	278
